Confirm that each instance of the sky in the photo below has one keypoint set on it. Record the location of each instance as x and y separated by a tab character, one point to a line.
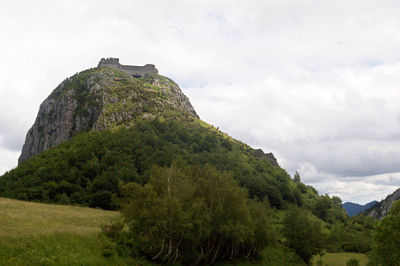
315	82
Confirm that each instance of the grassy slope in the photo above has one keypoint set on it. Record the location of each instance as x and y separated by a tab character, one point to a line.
340	259
43	234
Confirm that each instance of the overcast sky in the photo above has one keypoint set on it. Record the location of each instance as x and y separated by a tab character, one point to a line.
316	82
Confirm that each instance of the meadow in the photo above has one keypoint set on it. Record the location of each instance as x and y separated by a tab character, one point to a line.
45	234
340	259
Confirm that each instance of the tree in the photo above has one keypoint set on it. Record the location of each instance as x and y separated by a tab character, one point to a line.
387	239
195	215
337	201
302	235
296	177
101	199
322	206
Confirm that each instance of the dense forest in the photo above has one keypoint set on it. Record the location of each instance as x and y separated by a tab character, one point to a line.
88	169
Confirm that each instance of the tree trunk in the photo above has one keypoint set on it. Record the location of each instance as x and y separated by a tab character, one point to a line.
159	253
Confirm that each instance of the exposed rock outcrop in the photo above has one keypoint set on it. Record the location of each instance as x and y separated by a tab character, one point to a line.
259	154
102	98
56	122
382	208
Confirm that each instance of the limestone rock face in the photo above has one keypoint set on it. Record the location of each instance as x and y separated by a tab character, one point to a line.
55	123
99	99
259	154
382	208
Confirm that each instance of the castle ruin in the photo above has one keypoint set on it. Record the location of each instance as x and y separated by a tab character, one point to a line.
136	71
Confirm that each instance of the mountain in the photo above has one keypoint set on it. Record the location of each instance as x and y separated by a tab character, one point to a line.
380	209
353	209
108	125
99	99
125	138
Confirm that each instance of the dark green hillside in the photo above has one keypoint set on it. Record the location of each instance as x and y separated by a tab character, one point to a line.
88	169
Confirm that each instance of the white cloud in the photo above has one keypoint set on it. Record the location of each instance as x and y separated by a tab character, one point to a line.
314	82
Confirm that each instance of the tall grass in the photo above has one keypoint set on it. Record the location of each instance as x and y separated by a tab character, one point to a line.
43	234
340	259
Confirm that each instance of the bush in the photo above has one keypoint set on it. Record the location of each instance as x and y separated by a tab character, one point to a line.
280	255
101	199
63	199
353	262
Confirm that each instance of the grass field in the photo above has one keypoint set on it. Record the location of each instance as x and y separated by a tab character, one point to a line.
340	259
43	234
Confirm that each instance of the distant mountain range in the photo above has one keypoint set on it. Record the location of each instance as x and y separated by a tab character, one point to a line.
353	209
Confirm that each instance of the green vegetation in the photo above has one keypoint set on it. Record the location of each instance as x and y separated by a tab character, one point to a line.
353	235
43	234
97	168
387	239
187	192
194	215
341	259
303	235
88	169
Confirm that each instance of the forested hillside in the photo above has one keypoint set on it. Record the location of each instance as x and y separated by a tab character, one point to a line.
187	192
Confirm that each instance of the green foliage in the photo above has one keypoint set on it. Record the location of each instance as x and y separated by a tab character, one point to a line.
387	239
296	177
337	201
340	258
349	238
195	214
353	262
322	206
101	199
303	235
350	234
44	234
279	255
329	209
63	199
88	168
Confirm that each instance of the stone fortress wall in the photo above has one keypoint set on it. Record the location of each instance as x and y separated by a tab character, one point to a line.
136	71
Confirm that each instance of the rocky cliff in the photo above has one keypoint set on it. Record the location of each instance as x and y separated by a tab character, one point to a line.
381	209
98	99
259	154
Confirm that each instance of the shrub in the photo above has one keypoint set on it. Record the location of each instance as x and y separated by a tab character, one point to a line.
101	199
63	199
353	262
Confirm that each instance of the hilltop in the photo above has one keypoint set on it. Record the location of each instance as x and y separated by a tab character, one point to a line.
99	99
125	138
106	125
